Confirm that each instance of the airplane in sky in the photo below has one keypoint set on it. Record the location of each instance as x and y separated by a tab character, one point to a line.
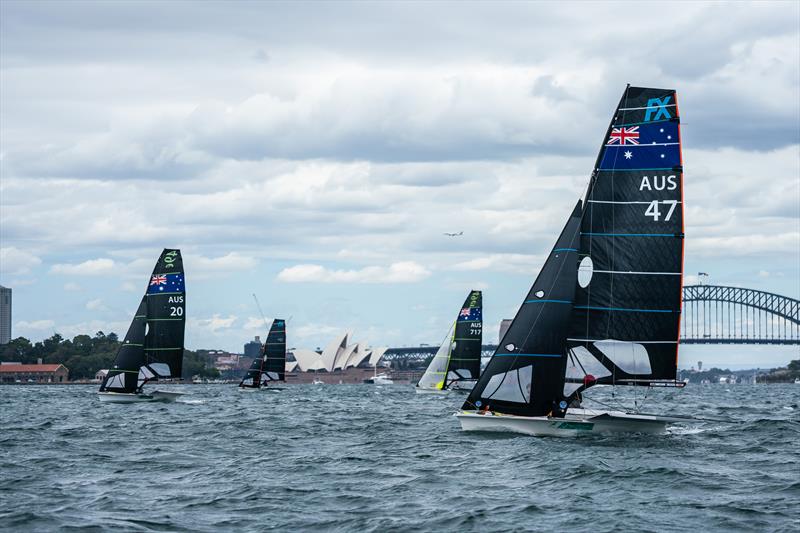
459	234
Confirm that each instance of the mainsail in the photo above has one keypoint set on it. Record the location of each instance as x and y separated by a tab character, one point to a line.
625	324
605	307
275	352
153	347
459	356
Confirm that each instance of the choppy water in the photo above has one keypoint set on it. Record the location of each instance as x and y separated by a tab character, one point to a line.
365	458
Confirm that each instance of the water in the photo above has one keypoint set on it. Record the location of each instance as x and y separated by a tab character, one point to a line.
365	458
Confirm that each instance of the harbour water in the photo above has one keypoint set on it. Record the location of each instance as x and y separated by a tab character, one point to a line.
366	458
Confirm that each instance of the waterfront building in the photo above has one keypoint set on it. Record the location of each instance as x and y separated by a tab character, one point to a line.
38	373
5	315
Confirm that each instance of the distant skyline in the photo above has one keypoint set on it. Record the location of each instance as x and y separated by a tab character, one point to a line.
315	154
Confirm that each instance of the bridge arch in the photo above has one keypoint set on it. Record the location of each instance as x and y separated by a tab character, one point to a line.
715	314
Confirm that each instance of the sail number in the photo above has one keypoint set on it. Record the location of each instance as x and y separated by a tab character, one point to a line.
176	311
169	259
655	212
475	328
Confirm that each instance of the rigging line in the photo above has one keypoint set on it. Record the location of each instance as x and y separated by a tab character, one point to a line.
262	313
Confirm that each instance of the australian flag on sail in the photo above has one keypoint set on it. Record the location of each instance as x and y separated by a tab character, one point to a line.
642	146
166	283
469	314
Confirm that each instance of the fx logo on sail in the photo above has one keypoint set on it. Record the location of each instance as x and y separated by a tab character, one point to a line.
659	107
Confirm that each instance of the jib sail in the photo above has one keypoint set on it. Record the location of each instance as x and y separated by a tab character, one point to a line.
525	374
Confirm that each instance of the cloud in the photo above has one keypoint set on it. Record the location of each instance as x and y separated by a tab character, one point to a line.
203	267
14	262
34	325
72	287
520	263
401	272
91	267
96	305
296	153
214	324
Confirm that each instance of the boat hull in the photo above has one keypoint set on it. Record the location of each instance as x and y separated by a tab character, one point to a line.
576	422
440	392
124	397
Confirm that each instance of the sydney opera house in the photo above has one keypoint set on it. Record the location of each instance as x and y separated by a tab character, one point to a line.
343	361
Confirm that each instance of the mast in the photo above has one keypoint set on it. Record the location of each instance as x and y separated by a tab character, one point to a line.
153	346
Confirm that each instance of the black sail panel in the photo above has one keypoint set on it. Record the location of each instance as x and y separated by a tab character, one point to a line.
275	351
526	374
465	356
166	317
123	376
252	378
625	323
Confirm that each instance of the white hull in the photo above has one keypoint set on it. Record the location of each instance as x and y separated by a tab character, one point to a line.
576	422
123	397
420	390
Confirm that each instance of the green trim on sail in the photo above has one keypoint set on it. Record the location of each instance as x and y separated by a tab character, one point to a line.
163	293
160	349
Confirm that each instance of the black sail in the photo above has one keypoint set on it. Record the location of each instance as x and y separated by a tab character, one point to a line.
275	352
526	374
252	379
153	346
465	356
625	323
123	377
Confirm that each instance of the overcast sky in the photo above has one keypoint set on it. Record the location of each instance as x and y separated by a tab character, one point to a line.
314	154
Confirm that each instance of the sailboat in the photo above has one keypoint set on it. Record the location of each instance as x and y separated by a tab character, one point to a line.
153	347
605	307
271	366
457	362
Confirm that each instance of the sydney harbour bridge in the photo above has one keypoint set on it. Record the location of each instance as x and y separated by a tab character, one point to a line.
712	314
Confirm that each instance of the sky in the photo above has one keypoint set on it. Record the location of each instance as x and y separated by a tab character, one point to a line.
314	154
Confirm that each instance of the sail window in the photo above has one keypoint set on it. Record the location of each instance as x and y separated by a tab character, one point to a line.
272	375
116	382
510	347
630	357
585	271
459	373
162	369
581	363
511	386
539	294
144	375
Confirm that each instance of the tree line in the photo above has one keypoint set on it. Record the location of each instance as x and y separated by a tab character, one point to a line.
84	355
